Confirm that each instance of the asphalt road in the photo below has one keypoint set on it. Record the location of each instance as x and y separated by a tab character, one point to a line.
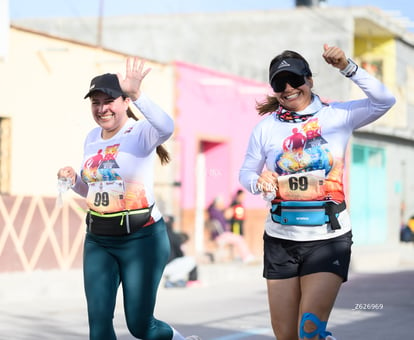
230	304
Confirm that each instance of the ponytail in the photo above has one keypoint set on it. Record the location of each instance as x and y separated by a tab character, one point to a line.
269	105
162	152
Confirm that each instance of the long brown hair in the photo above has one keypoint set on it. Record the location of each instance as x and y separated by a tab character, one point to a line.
270	103
162	152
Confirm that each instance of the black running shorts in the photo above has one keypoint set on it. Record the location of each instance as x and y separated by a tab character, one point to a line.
284	259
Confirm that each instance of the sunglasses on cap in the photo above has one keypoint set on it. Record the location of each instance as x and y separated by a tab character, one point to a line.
294	80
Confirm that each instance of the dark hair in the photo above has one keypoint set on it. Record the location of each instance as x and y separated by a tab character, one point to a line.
162	152
236	197
270	103
238	193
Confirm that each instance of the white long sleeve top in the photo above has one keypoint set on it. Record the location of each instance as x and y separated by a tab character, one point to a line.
118	173
314	147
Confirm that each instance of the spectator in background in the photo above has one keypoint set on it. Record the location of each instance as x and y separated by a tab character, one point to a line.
238	213
407	231
410	224
220	230
181	270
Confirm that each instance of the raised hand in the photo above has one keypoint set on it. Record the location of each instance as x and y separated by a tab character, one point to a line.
335	56
135	73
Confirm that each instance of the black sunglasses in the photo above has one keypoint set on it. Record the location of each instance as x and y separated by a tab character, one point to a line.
294	80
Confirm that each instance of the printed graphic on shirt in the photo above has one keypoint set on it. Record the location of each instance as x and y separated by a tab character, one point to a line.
101	167
108	192
308	165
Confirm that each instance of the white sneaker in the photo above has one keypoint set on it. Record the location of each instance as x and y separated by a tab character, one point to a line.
330	337
195	337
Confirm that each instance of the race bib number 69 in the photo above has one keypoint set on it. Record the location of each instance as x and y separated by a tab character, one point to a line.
305	186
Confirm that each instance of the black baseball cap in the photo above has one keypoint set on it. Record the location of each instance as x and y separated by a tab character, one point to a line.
107	83
293	65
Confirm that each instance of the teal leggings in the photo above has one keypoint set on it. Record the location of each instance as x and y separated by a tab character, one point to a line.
137	261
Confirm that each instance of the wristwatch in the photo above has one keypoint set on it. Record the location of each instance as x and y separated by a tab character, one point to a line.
350	69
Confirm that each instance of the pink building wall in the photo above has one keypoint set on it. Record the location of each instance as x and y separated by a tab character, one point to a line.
215	112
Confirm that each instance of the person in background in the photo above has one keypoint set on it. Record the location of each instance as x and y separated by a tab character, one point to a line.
181	270
407	231
410	224
302	142
238	213
220	230
126	240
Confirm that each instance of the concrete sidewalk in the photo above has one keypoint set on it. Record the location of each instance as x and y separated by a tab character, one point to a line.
20	286
51	284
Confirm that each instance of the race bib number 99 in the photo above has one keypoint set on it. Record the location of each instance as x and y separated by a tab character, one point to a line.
305	186
106	196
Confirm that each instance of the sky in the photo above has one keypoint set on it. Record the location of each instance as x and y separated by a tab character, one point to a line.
20	9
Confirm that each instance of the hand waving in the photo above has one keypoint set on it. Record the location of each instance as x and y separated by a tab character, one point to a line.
134	75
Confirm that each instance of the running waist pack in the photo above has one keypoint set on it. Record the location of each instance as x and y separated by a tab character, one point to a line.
119	223
307	213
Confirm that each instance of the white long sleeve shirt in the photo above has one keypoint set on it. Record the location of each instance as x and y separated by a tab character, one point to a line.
311	148
118	173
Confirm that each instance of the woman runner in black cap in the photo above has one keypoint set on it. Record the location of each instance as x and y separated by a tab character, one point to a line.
302	143
126	239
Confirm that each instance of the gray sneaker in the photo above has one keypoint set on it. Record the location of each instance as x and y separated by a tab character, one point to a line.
193	337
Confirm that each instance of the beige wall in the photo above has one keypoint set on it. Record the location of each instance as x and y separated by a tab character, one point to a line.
42	84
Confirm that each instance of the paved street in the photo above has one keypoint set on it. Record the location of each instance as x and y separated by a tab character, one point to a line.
230	305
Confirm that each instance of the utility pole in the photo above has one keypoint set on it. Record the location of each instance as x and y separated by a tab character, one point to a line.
100	28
